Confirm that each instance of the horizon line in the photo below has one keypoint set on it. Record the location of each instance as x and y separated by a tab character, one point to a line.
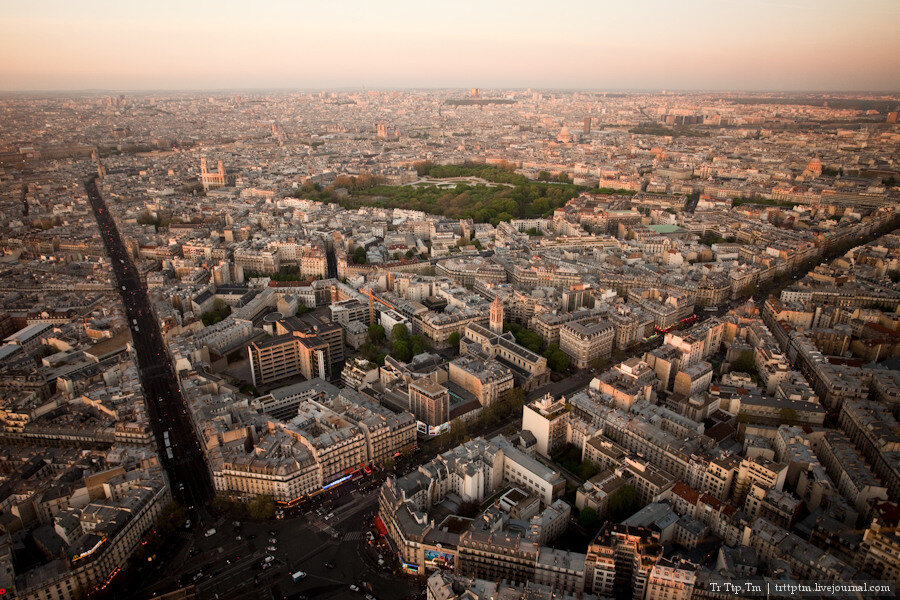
641	90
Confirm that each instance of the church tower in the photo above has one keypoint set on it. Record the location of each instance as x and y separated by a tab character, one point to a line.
496	324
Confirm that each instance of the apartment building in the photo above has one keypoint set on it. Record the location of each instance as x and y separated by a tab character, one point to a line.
853	477
311	349
586	341
620	558
876	433
547	419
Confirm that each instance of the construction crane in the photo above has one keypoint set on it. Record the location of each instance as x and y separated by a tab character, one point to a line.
372	300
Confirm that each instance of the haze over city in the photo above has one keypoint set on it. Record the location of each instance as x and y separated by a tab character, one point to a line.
696	44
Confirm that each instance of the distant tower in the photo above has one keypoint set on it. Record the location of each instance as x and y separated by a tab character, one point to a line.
892	116
475	92
587	124
564	136
380	131
496	324
212	180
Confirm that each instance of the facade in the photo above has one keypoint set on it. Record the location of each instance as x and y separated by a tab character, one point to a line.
586	341
529	369
212	180
547	420
488	380
429	402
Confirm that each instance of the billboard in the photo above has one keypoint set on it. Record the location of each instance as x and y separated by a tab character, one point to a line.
411	568
424	429
435	559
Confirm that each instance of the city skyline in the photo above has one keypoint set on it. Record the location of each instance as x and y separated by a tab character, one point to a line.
762	46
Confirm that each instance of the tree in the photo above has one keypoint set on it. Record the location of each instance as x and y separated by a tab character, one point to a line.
458	430
586	470
261	507
744	363
622	503
389	463
376	333
359	255
400	351
557	360
544	176
399	332
417	344
517	397
453	339
588	517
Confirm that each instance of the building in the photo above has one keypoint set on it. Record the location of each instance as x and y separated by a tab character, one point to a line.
310	348
282	403
619	561
529	473
586	341
547	419
488	380
671	580
880	549
529	369
496	317
212	180
429	402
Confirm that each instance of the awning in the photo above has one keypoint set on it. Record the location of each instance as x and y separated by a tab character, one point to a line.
379	525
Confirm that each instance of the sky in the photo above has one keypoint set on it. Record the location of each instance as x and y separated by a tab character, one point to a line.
791	45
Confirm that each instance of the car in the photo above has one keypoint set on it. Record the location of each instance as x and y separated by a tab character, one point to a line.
370	597
329	565
265	566
354	587
273	541
329	516
273	533
271	548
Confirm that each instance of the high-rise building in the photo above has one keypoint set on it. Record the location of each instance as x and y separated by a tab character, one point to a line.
429	402
380	131
587	124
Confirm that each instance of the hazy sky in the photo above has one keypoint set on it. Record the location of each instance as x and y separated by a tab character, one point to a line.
600	44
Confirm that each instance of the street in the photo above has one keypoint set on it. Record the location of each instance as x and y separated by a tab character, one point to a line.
333	552
177	444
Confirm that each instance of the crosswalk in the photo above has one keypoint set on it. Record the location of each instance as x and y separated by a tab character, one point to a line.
352	536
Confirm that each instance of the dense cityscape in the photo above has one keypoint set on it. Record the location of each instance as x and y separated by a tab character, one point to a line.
474	344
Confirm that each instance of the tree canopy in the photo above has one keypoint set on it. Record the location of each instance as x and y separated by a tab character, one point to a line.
376	333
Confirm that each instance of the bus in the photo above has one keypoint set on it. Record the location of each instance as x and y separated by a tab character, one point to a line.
298	576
